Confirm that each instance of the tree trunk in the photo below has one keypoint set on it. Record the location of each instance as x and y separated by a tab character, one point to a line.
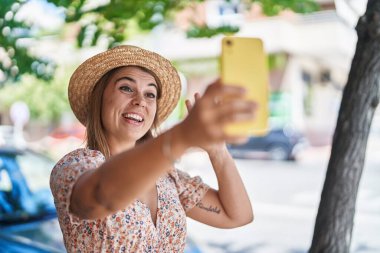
334	222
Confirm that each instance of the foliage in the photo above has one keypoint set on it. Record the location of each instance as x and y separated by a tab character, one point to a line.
273	7
110	22
46	101
205	31
15	37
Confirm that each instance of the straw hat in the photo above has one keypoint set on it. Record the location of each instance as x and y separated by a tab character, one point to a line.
83	80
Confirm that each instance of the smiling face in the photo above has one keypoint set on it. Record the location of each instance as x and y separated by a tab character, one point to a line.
129	105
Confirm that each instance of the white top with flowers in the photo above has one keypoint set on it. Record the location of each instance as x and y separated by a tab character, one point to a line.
130	229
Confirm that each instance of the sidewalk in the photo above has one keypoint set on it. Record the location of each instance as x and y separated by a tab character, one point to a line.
285	198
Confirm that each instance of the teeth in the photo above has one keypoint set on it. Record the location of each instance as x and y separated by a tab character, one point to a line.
133	116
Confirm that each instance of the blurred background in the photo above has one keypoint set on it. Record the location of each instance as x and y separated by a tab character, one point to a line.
310	45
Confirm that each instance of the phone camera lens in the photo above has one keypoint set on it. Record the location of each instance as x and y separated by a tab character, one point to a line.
228	42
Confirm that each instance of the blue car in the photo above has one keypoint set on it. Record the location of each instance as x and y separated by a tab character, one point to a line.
28	218
278	144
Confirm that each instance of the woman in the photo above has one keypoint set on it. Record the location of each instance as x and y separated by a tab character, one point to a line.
122	193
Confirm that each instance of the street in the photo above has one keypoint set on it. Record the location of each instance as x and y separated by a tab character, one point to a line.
285	198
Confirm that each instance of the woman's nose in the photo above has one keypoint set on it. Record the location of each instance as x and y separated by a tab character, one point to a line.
139	100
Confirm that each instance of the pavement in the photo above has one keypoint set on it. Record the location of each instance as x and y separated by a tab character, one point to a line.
285	198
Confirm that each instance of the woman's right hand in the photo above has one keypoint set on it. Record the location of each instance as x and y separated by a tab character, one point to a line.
220	105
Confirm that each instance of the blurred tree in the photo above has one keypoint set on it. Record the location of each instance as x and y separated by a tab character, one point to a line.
334	222
110	21
46	101
273	7
113	19
15	35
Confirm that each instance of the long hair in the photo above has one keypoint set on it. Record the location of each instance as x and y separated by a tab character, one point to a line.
95	132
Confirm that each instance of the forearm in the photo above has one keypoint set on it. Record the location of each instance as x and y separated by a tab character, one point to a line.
232	193
128	175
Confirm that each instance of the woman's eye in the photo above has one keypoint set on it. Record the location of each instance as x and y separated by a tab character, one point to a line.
125	88
151	95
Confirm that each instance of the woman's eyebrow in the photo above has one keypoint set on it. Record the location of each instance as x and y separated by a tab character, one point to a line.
133	80
127	78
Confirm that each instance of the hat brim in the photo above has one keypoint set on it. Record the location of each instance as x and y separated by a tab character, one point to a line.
85	77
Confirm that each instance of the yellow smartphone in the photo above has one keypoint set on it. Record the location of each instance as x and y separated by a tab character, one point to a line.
244	63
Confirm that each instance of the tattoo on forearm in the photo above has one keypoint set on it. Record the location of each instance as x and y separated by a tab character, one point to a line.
209	209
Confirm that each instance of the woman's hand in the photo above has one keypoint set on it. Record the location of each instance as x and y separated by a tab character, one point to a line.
220	105
204	127
212	148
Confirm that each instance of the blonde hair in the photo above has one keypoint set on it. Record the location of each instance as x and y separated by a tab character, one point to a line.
95	132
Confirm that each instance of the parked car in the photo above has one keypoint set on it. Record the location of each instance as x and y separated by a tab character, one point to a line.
28	218
278	144
6	134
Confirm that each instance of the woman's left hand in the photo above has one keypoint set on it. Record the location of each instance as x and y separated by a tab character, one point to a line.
212	148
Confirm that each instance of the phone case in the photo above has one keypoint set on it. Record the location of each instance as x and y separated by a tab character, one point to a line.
244	63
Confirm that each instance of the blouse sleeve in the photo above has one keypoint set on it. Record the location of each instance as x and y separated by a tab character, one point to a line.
191	190
64	176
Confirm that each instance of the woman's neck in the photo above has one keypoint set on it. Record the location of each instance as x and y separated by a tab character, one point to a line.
118	147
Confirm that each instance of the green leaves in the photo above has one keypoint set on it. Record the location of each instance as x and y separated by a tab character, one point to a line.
46	101
205	31
274	7
111	22
15	37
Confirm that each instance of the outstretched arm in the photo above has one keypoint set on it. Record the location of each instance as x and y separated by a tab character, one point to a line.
128	175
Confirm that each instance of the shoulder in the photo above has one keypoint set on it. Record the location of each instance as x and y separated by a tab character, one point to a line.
178	174
81	155
184	180
77	162
70	167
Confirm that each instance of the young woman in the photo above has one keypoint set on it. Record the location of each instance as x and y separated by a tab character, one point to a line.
122	193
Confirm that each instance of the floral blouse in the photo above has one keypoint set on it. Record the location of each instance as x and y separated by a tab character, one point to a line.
130	229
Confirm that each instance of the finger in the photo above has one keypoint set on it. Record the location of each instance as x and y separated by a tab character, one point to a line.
235	118
224	83
235	107
237	112
221	90
223	93
224	98
217	81
188	105
197	96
